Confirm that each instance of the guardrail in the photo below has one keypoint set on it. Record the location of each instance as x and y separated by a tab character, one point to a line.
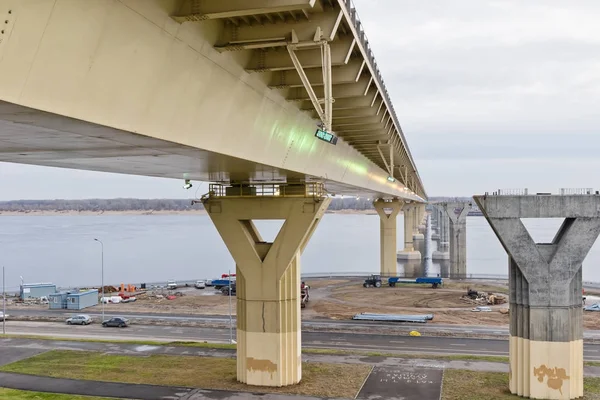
310	189
576	191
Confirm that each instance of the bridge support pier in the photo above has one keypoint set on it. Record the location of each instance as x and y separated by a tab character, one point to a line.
409	252
268	281
443	245
546	324
388	213
457	221
419	211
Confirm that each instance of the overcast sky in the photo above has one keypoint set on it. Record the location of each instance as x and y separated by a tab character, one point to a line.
490	94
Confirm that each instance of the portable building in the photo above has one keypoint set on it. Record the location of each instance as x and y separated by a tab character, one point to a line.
36	290
58	300
81	300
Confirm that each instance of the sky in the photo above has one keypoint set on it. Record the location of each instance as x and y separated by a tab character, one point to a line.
490	95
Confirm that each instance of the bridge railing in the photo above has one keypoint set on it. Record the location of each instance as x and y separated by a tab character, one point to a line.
364	42
310	189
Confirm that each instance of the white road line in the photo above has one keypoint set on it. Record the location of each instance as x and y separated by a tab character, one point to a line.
397	341
457	344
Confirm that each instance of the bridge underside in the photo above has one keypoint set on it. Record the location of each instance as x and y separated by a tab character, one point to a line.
29	136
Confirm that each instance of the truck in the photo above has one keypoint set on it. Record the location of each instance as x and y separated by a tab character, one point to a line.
225	289
433	281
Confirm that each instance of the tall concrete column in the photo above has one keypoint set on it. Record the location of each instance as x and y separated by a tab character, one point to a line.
442	252
435	225
268	281
457	219
546	326
388	213
409	252
418	222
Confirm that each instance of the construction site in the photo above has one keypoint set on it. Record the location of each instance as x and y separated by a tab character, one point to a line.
454	302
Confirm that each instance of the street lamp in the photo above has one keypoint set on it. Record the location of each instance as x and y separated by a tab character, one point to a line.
102	298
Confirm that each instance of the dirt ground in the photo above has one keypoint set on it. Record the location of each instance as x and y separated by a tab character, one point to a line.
341	298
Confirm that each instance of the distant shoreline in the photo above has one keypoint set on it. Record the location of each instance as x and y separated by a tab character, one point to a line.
45	213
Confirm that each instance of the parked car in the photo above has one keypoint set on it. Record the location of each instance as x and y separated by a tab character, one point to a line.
200	285
593	307
171	285
3	316
118	322
481	309
208	282
79	320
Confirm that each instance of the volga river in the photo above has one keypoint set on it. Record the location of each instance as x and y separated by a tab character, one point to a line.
155	248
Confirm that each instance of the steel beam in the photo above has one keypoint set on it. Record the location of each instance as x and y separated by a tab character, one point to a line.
344	90
194	10
233	36
348	73
279	59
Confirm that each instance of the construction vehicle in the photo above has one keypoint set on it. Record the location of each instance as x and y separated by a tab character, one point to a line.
225	289
373	281
434	282
304	294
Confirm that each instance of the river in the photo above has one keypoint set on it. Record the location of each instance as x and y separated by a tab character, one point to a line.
154	248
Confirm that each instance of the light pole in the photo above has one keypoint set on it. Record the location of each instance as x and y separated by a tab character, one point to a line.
102	298
230	316
3	304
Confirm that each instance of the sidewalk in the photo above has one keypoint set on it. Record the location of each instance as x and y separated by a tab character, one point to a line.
128	390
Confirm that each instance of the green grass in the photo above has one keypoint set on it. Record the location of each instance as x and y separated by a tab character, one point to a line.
11	394
318	379
477	385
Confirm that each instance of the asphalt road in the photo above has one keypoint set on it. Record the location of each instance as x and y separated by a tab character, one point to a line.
318	324
324	340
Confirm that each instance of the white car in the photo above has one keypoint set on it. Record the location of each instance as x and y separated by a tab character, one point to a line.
200	285
79	320
3	316
171	285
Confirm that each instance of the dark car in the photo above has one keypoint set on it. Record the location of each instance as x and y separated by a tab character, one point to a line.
117	322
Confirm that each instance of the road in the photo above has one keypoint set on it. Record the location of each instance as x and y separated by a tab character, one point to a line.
323	340
472	330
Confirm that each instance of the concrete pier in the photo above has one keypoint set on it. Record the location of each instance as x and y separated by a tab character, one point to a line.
546	338
457	224
268	281
388	213
442	252
419	228
409	252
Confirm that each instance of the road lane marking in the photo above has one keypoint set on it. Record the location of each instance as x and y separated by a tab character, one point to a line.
457	344
396	341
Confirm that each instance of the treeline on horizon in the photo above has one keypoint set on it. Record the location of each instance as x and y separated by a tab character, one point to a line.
98	205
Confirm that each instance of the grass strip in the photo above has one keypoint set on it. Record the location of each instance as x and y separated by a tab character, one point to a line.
11	394
479	385
318	379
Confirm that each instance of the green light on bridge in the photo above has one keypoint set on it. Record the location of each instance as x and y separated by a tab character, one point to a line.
326	136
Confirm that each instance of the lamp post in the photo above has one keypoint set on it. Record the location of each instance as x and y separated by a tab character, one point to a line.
230	316
102	298
3	304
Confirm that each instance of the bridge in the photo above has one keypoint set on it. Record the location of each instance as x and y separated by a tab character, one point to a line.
279	103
